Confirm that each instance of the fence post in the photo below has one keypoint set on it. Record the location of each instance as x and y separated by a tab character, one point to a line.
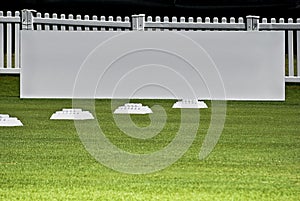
27	19
252	23
138	22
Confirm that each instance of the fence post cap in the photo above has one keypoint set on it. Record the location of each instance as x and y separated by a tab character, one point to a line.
253	16
30	10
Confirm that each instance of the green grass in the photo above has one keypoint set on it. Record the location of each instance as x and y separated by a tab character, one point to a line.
256	158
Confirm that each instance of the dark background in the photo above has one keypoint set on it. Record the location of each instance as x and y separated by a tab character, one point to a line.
195	8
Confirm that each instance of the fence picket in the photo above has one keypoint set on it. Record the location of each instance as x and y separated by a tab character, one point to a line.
191	20
182	20
241	20
119	19
110	19
102	19
54	27
70	17
199	21
157	19
78	28
8	43
47	16
39	26
298	50
17	42
95	18
63	27
207	20
86	17
264	20
127	20
174	19
215	20
273	20
166	19
1	42
232	20
149	19
224	20
291	50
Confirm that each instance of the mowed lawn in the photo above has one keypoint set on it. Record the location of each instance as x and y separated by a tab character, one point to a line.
257	156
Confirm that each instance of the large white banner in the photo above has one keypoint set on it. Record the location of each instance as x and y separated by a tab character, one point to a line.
153	64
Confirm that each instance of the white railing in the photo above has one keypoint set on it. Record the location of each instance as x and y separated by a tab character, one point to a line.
293	29
79	24
10	42
10	31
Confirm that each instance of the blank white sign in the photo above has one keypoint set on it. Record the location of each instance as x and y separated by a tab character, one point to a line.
153	65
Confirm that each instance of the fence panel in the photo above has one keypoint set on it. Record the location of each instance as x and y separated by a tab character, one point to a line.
291	50
17	42
298	50
10	42
1	42
10	32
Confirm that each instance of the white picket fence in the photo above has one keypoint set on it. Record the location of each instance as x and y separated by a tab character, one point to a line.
10	42
10	31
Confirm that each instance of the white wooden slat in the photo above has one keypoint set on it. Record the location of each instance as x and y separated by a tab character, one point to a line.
127	20
232	20
1	42
149	19
63	27
47	27
54	27
110	19
39	26
182	20
166	19
273	20
78	18
157	19
241	20
70	17
292	79
215	20
224	20
75	22
10	70
102	19
9	43
281	20
199	21
191	20
95	18
298	50
187	25
174	19
291	50
281	25
119	19
5	19
207	20
86	18
264	20
17	42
